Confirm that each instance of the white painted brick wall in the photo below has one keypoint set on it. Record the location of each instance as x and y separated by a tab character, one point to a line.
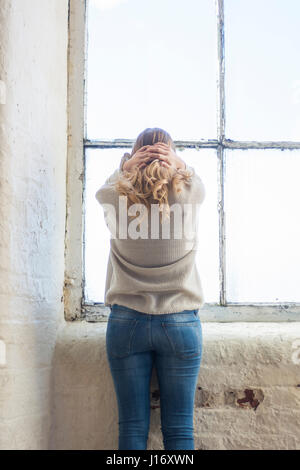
33	145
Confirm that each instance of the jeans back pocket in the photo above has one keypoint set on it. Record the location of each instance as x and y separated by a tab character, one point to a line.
185	338
119	335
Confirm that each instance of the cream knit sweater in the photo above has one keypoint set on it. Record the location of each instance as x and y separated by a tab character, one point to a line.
153	275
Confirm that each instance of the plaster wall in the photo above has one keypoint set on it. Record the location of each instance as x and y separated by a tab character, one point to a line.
33	148
248	393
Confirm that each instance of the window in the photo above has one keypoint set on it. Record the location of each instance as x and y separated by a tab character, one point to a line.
222	78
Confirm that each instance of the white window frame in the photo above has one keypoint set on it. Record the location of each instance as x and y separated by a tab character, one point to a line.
75	306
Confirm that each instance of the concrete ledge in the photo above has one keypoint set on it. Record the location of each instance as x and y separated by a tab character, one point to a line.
248	393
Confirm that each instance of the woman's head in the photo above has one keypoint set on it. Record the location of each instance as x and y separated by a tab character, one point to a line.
151	184
151	136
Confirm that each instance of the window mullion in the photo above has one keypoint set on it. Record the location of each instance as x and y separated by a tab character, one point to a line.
221	212
220	150
221	70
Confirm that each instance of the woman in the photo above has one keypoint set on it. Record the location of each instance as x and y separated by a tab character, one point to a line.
153	289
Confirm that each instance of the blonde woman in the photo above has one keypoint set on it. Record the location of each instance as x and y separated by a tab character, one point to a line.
153	289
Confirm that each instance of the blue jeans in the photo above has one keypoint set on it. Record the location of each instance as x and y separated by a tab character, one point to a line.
137	341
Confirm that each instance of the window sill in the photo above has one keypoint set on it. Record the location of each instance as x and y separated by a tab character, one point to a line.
216	313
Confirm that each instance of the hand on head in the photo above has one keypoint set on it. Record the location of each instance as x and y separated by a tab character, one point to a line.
158	151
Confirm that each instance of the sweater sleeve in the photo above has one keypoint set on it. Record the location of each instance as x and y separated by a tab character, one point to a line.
124	159
198	191
104	193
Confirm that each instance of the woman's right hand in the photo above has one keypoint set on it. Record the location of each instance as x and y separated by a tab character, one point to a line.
139	157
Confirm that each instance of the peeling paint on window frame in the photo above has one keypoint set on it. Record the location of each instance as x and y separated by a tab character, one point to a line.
76	308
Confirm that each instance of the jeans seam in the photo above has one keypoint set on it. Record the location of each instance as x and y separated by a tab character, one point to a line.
128	350
178	354
131	335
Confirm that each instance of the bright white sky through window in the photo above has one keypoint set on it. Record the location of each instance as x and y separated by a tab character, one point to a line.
262	69
154	63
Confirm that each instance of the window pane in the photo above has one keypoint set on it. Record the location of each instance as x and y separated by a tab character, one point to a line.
100	164
262	69
262	196
151	64
205	163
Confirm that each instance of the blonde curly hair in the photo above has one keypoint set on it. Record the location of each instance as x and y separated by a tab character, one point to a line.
151	184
